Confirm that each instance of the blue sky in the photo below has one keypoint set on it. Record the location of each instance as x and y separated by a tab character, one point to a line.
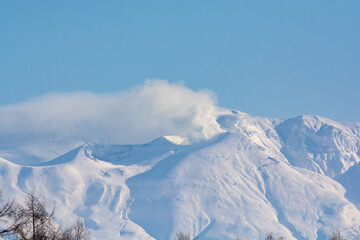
267	58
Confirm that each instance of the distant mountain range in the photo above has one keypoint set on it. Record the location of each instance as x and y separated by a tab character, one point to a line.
298	178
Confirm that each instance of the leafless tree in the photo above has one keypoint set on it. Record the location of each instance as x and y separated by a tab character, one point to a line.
182	236
7	212
32	221
336	235
77	231
269	236
36	222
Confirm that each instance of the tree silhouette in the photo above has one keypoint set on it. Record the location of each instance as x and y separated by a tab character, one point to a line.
77	231
36	222
6	212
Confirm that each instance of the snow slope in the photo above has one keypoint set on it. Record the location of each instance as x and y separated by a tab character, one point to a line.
297	178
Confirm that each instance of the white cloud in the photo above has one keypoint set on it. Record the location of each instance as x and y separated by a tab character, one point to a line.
139	115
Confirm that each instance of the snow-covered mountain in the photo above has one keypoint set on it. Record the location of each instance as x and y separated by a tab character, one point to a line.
298	178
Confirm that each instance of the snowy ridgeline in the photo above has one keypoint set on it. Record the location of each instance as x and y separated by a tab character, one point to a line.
297	178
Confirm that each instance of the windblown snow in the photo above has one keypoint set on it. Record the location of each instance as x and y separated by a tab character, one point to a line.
298	178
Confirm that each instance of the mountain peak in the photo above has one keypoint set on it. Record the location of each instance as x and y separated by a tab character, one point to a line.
176	139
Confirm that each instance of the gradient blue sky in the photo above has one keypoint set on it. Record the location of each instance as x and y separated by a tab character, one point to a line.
268	58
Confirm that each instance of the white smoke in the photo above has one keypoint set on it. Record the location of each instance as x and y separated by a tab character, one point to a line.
136	116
